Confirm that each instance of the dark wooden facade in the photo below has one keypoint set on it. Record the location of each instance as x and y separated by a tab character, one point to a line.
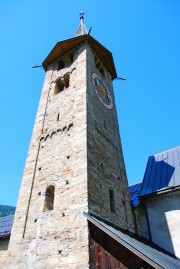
107	253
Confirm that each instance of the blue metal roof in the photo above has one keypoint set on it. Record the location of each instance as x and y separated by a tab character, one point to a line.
162	172
134	193
153	256
6	225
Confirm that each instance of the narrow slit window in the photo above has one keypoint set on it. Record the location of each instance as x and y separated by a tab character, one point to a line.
49	199
112	201
66	81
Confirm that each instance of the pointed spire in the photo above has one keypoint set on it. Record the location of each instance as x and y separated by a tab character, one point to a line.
82	28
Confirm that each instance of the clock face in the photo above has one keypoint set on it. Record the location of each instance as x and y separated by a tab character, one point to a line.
102	91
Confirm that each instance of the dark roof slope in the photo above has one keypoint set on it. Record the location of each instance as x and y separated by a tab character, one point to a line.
162	172
6	225
151	255
134	193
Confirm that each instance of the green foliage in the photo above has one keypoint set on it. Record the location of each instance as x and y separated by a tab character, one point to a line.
6	210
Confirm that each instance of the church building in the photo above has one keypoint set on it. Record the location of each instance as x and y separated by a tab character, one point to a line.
74	209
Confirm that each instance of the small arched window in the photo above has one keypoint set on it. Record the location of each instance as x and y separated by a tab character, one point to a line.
62	83
59	86
99	65
101	70
49	198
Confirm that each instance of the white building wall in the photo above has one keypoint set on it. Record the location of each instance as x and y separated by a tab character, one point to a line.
164	221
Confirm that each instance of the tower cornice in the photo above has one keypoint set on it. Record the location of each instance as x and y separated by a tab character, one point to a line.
65	46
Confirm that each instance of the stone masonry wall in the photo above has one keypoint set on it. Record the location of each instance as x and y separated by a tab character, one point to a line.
106	169
57	156
76	148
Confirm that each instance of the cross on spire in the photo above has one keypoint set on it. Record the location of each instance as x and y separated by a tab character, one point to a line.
82	28
81	14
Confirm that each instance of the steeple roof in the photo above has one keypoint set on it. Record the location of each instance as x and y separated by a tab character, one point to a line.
63	47
82	28
81	36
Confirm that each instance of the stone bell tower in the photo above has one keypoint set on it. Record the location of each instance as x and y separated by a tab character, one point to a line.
75	161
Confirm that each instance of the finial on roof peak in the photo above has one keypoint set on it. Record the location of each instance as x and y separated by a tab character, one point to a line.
82	28
81	14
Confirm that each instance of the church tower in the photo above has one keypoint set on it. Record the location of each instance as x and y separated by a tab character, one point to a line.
75	162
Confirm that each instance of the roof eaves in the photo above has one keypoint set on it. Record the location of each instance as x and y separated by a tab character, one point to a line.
92	42
160	192
108	53
60	43
7	234
124	243
152	256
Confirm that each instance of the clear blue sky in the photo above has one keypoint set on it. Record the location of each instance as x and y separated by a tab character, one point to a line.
144	37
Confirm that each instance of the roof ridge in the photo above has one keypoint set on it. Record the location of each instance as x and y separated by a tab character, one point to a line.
165	151
135	184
